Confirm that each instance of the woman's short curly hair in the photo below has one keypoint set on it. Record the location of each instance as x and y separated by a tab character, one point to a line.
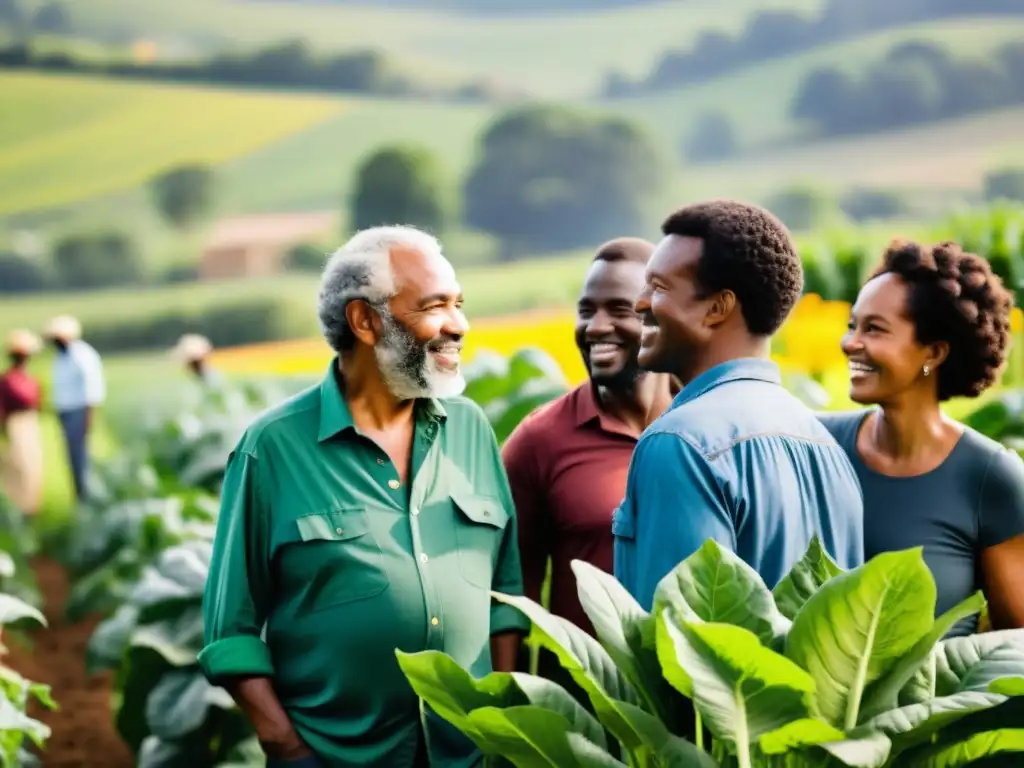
954	297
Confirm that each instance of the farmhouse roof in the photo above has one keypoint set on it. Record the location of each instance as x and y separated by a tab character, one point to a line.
269	228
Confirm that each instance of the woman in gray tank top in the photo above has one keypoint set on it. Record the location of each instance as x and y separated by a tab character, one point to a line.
933	323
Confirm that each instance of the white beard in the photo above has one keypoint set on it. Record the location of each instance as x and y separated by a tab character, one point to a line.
408	368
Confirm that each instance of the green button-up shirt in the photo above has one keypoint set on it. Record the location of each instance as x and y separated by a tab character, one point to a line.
324	564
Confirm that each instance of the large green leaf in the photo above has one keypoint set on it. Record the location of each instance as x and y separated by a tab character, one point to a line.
972	749
550	695
587	662
453	693
917	723
974	662
870	751
660	744
857	625
619	622
898	684
741	688
589	755
12	610
804	579
715	585
1008	686
796	734
527	736
180	703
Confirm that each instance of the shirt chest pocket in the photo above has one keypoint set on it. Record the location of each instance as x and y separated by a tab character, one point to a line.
480	523
340	556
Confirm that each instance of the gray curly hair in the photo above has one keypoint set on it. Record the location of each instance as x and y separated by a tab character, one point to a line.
361	269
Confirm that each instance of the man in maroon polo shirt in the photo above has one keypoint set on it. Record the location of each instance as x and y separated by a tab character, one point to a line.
567	461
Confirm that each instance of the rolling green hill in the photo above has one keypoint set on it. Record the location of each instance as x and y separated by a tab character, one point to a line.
67	139
89	144
758	97
551	54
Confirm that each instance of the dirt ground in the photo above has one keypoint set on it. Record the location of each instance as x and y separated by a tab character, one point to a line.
83	728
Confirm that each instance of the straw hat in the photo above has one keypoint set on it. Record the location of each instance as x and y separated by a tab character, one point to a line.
192	347
23	342
64	327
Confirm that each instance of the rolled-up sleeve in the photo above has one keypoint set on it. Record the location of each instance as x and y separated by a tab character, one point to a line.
675	504
508	573
235	597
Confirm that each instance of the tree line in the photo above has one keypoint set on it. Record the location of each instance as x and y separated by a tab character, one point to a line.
773	33
915	82
289	64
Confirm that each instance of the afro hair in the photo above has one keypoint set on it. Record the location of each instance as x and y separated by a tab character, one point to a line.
954	297
748	251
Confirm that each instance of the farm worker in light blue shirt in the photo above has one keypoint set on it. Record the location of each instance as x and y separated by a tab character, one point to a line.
735	458
78	388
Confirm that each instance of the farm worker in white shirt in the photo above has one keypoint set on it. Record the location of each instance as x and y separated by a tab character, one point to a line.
78	389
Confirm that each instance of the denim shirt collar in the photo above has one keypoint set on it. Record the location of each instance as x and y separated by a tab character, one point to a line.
756	368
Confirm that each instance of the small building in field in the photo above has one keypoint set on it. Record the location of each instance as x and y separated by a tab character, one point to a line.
256	246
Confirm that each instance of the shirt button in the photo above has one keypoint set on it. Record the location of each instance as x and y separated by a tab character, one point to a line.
434	620
423	557
338	531
415	510
393	484
380	461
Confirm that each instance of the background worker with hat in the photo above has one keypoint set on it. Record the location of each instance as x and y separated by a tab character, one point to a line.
21	461
79	388
194	350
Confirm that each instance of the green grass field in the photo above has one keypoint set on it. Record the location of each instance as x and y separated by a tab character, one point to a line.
67	139
490	290
552	54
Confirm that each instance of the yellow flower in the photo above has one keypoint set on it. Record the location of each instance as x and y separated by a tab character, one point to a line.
808	342
1016	320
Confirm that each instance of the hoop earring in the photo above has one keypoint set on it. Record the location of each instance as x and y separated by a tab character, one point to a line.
927	370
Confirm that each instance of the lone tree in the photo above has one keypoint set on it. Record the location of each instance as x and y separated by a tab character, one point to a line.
550	178
184	194
400	185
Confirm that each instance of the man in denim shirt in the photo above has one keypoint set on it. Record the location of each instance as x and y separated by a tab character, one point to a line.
735	458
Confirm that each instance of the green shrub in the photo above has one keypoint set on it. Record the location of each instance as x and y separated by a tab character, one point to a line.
306	258
22	275
827	669
97	260
244	322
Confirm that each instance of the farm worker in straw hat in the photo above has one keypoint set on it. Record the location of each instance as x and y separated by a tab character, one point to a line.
21	466
194	350
78	389
367	514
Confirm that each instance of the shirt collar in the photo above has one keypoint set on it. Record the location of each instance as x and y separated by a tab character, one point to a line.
756	368
586	404
588	410
335	416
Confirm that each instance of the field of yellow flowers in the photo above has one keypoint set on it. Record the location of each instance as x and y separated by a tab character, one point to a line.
808	343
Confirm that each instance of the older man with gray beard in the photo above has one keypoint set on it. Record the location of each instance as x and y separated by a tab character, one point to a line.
366	514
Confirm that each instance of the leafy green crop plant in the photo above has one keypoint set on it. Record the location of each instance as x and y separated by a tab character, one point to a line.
830	668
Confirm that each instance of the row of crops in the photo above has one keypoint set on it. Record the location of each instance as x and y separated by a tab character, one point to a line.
836	262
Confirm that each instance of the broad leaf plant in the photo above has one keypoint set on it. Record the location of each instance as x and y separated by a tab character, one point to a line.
830	668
